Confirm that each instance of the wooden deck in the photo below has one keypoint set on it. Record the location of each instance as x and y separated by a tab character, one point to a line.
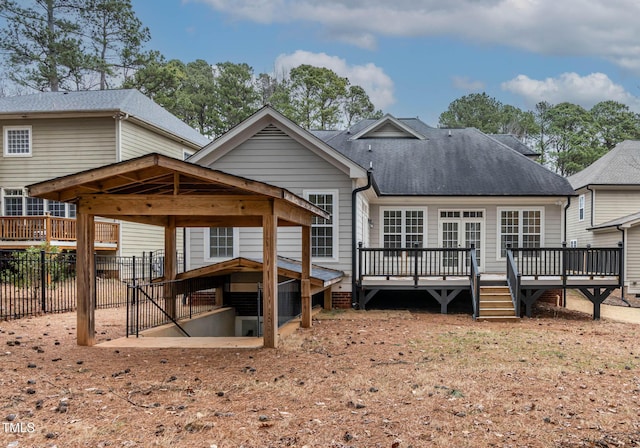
445	273
21	232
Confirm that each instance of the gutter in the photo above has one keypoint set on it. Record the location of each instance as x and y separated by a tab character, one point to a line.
592	202
354	205
566	209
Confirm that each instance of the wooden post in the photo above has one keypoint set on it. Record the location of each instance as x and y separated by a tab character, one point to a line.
328	300
170	266
305	282
86	268
270	280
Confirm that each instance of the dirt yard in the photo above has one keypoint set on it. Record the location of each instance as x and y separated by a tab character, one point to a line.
356	379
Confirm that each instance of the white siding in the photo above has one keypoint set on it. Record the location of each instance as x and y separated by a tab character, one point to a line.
283	162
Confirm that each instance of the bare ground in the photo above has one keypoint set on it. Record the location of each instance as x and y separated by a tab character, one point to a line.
356	379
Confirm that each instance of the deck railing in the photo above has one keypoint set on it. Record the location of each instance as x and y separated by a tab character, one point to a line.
474	279
157	303
514	278
415	262
569	262
52	228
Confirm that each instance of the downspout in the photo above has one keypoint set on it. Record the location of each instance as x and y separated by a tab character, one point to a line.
566	209
354	205
592	203
624	265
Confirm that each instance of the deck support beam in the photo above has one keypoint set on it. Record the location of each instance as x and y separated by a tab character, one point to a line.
529	297
86	286
328	299
270	280
444	297
596	297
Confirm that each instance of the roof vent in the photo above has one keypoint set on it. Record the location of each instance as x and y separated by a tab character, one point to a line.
449	132
369	147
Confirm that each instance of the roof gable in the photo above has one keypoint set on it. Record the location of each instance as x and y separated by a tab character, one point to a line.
620	166
388	127
268	123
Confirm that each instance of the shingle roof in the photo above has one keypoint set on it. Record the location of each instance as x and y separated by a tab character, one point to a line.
620	166
129	101
512	142
450	162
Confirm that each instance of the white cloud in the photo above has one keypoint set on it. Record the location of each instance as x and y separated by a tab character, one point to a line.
466	84
571	87
602	28
370	77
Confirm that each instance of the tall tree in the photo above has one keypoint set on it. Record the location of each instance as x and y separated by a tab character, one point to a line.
614	123
65	44
316	94
517	122
116	38
543	122
358	106
41	42
477	110
572	138
235	95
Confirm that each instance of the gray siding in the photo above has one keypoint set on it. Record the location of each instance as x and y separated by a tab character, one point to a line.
283	162
59	147
552	231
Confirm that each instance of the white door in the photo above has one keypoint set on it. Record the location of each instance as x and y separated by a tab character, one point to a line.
461	229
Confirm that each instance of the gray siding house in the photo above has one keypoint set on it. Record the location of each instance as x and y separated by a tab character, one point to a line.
388	183
47	135
607	209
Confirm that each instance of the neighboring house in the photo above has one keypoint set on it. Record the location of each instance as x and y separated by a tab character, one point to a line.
430	188
48	135
607	209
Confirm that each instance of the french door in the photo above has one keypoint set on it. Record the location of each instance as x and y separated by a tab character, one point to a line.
461	229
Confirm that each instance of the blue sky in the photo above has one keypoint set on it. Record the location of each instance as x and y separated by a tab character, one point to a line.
416	56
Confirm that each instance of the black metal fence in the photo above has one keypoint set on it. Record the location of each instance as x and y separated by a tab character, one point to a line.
289	301
33	281
157	303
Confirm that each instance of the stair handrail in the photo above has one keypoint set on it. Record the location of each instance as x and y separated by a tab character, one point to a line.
474	280
514	279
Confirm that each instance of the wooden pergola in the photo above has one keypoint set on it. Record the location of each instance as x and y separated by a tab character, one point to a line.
162	191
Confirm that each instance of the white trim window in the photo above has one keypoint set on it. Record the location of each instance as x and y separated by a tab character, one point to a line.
15	202
520	228
403	227
186	154
17	141
581	207
573	244
324	232
221	243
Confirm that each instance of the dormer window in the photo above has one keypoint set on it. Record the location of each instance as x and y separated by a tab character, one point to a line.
17	141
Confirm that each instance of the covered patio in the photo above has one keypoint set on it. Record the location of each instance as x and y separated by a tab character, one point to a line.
162	191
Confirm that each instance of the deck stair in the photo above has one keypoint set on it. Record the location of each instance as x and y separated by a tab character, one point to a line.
496	304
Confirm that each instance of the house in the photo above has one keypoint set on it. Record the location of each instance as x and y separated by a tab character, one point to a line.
445	200
52	134
607	208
